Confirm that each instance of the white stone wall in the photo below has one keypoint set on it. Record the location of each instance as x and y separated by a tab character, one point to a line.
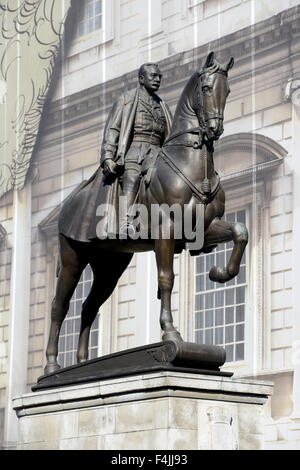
146	30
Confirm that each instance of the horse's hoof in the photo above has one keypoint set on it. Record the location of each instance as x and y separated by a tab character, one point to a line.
50	368
172	336
219	275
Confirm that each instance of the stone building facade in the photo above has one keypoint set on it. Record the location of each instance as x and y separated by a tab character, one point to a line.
256	316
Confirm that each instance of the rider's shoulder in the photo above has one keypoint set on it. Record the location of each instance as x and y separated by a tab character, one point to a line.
129	95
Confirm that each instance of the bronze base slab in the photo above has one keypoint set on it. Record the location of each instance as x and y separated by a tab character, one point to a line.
177	356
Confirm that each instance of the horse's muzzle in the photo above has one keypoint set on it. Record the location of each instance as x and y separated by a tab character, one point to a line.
214	128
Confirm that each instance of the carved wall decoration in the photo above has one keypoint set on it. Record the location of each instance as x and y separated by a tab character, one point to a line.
30	34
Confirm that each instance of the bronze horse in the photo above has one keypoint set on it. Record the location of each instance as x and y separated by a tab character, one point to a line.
184	174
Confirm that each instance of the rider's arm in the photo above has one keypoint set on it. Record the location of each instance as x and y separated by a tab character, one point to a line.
112	132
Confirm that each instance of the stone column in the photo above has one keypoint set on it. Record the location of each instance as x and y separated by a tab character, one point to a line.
19	309
293	92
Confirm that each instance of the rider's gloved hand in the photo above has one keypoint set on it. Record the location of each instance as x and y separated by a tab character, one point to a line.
109	167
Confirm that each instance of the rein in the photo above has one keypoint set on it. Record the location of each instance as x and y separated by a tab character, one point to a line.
203	195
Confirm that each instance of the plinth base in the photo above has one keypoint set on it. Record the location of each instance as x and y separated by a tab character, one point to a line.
167	355
165	410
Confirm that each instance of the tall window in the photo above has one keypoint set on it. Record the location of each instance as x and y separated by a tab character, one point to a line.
68	340
220	308
90	16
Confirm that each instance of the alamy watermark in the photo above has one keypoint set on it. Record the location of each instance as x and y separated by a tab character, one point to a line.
182	222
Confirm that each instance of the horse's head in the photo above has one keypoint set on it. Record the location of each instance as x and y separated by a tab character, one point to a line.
214	90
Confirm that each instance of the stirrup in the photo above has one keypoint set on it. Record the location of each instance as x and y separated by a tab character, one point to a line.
127	229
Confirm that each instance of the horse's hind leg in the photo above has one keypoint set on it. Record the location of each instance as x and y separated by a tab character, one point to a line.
221	231
69	275
105	281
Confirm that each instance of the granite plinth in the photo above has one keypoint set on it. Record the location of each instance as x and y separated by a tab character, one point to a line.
164	410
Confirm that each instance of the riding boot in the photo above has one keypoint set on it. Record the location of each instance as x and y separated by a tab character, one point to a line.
126	225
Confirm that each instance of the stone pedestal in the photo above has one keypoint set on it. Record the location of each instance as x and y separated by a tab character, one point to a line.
163	410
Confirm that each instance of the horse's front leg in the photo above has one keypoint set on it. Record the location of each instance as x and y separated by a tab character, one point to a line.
221	231
164	252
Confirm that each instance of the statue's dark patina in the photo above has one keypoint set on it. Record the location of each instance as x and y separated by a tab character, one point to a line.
183	174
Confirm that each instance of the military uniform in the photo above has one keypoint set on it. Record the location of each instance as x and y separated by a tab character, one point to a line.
148	136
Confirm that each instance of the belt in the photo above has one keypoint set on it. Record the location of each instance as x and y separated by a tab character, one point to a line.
148	139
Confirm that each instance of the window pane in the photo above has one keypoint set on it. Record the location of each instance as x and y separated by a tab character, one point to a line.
210	262
220	259
94	353
79	291
209	318
209	301
90	26
239	333
200	283
77	307
242	275
239	352
241	217
69	326
229	353
219	298
94	338
200	264
219	316
219	336
199	337
240	313
199	304
229	297
229	315
98	22
229	334
199	320
209	336
240	295
90	10
98	7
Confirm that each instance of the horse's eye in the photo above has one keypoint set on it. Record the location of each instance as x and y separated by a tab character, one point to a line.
205	88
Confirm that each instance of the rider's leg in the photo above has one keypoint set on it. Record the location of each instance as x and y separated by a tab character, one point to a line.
130	186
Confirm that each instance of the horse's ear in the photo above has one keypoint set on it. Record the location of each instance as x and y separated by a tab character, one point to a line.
209	60
229	64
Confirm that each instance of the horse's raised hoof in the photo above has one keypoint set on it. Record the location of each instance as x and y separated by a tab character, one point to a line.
51	367
220	275
172	336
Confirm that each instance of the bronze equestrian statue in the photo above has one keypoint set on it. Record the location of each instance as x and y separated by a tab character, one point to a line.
183	173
